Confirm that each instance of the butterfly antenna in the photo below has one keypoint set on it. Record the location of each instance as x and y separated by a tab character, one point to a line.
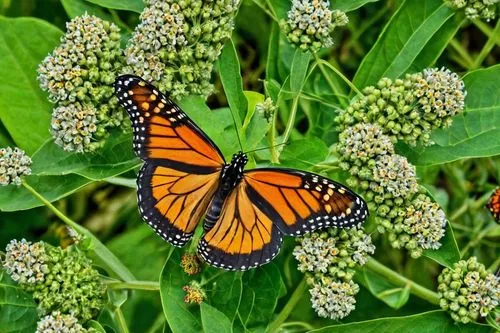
236	128
269	147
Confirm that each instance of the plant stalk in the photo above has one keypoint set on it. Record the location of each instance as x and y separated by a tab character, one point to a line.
289	306
399	280
135	285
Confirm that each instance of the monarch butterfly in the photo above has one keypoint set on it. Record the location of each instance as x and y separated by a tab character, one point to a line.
494	204
185	177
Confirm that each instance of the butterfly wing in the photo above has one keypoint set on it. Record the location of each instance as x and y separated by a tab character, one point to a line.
244	237
300	202
182	165
162	131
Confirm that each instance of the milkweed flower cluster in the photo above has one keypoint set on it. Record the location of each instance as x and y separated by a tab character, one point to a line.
483	9
194	293
190	263
267	108
310	24
177	42
14	163
409	109
329	259
61	323
78	78
468	291
59	279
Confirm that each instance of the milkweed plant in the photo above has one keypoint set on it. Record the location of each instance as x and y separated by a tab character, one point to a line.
398	100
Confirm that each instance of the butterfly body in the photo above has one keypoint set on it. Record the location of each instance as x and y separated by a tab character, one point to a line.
246	213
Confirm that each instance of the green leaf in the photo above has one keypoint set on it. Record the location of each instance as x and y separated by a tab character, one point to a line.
350	5
79	7
213	320
388	293
114	158
304	154
226	294
96	326
262	288
448	253
131	5
474	133
229	69
53	188
18	312
24	108
432	321
180	316
255	125
404	39
298	70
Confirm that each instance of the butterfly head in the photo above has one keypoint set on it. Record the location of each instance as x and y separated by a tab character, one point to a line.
233	172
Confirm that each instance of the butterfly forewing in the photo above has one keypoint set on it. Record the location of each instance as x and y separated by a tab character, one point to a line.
301	202
182	165
162	131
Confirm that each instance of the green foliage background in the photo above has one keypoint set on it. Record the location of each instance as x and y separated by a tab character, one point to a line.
383	39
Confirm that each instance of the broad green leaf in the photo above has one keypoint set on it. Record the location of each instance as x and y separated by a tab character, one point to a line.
350	5
388	293
298	70
79	7
18	310
432	321
114	158
226	294
131	5
229	70
304	154
217	124
53	188
472	134
5	139
404	39
180	316
262	288
24	108
448	253
213	320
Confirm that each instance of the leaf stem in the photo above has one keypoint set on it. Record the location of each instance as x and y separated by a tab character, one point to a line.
289	306
399	280
105	256
263	7
134	285
291	119
485	29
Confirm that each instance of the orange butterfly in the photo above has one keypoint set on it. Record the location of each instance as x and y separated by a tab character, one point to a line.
185	177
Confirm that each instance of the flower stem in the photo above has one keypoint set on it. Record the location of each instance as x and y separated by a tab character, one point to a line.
488	46
322	62
289	306
120	319
467	61
105	256
485	29
291	119
135	285
399	280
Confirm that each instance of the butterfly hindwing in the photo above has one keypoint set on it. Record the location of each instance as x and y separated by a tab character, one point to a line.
172	202
162	131
300	202
244	237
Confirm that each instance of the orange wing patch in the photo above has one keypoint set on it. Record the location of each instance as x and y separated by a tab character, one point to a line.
162	131
300	202
173	201
244	236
